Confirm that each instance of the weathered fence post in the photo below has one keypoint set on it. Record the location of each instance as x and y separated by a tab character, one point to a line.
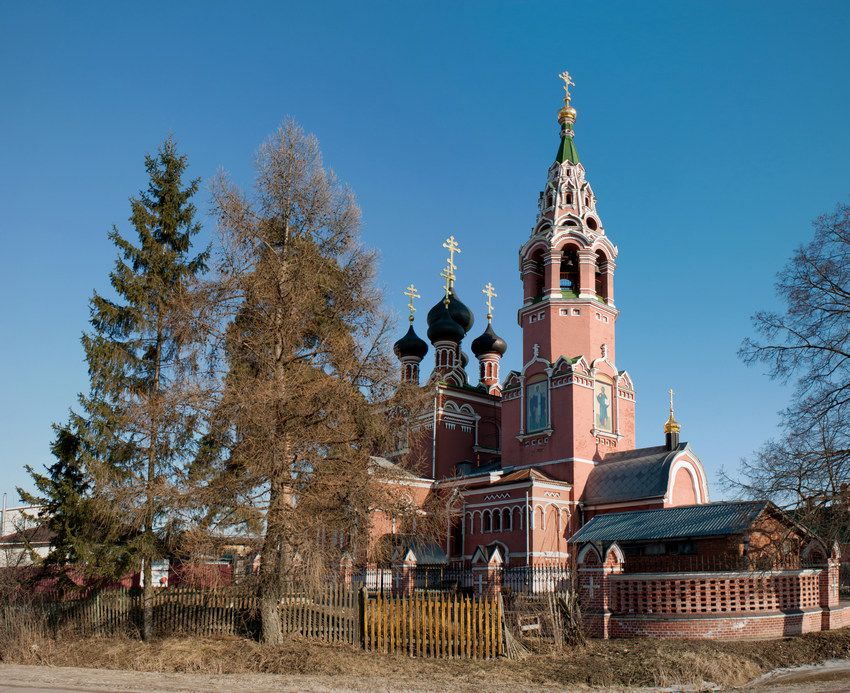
361	616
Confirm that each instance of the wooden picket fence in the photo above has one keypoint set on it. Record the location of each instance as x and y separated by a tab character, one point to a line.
422	625
434	625
330	614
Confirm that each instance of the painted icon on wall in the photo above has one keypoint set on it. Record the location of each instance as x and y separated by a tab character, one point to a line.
537	405
604	407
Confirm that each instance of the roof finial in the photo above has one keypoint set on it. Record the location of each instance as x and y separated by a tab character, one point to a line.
449	276
671	426
452	246
567	114
490	292
411	293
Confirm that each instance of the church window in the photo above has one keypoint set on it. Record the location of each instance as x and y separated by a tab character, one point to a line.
603	406
569	270
506	519
486	522
497	521
591	224
569	198
537	404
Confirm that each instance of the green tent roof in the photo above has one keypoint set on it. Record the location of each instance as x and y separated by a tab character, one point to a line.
567	149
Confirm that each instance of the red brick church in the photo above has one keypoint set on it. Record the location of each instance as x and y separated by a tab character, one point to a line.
532	455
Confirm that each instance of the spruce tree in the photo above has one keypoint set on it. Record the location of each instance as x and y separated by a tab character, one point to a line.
85	534
138	419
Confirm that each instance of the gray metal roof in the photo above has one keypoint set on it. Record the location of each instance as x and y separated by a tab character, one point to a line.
631	475
709	520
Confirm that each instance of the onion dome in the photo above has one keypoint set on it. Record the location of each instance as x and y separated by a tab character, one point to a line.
458	311
464	359
410	345
489	343
442	326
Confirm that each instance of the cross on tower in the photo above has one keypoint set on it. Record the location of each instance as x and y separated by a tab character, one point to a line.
452	246
670	392
568	82
490	292
411	293
449	275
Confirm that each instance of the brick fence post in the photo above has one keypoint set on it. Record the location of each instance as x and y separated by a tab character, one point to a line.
594	587
404	574
487	571
828	586
487	579
346	571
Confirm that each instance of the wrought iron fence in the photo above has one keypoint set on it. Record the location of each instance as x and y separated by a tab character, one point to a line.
464	580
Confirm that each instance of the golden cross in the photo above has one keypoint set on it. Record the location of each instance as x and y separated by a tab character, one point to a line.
490	292
568	82
449	276
670	392
452	246
411	293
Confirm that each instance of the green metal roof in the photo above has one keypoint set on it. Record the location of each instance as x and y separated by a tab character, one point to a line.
709	520
567	149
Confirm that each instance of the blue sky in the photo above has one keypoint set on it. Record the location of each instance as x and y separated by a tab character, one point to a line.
712	132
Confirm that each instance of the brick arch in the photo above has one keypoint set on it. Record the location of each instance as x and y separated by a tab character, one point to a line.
589	555
614	555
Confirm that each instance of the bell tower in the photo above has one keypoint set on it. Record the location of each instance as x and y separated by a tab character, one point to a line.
567	265
569	401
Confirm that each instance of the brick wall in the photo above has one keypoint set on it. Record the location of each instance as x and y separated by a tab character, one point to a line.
746	604
708	593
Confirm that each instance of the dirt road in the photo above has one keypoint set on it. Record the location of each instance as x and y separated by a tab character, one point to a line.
831	676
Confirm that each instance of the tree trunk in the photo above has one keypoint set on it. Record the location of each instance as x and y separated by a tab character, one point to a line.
147	600
270	567
150	500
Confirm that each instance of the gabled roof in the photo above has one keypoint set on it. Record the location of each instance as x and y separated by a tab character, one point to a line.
631	475
33	535
528	474
709	520
392	467
422	551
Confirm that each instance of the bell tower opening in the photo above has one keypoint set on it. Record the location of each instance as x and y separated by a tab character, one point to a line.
569	271
602	288
538	275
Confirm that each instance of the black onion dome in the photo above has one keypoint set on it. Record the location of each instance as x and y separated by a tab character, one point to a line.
458	310
410	345
489	343
442	327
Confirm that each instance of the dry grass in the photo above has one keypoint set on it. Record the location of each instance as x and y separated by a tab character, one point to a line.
638	662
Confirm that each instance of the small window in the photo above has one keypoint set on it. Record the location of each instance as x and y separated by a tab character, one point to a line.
591	224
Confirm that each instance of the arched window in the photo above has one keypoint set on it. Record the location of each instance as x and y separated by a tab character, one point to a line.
601	275
506	519
569	270
497	521
537	404
486	522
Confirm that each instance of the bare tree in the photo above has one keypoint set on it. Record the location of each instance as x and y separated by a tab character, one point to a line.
303	404
808	468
